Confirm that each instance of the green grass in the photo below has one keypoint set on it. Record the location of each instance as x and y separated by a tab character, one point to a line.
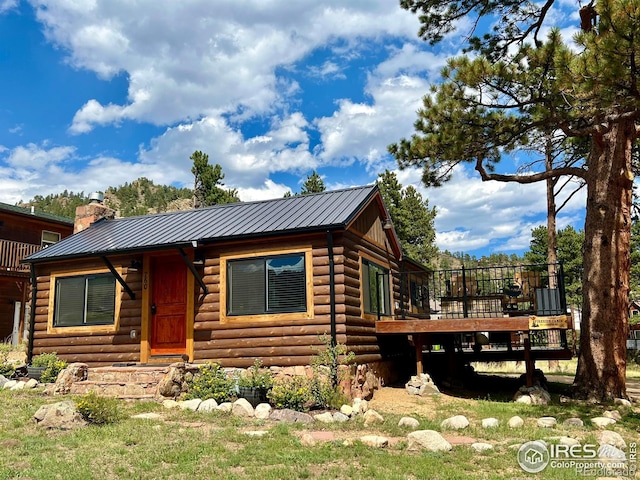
564	367
188	445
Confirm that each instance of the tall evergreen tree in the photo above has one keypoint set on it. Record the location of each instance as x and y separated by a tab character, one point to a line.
492	104
208	184
313	184
411	217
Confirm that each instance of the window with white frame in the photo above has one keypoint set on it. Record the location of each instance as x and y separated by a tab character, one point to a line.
49	238
84	300
265	285
375	288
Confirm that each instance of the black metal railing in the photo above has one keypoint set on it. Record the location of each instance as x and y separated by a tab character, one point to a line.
481	292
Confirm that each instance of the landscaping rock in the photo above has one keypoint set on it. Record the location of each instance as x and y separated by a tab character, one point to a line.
9	384
613	414
547	422
192	404
490	422
173	383
515	422
18	386
421	385
375	441
602	422
60	416
242	408
457	422
256	433
75	372
325	417
346	410
410	422
623	402
340	417
607	437
573	422
570	441
31	384
532	396
208	405
371	417
262	411
429	440
170	404
3	380
225	407
291	416
481	447
148	416
307	440
359	406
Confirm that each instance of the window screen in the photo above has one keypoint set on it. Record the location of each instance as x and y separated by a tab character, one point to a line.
274	284
85	300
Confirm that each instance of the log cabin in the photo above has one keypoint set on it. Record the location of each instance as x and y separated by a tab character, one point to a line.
230	283
266	280
23	231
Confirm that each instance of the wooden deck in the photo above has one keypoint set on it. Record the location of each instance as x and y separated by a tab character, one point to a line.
427	332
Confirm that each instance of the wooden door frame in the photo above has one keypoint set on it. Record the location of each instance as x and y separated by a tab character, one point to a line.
147	286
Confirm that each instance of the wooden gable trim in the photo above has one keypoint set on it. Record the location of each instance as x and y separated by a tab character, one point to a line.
383	215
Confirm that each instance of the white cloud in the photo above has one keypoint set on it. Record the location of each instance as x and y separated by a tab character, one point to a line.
177	55
6	5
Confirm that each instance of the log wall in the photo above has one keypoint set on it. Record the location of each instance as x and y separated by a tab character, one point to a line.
240	342
91	347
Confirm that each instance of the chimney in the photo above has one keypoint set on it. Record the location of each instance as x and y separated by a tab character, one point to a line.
92	212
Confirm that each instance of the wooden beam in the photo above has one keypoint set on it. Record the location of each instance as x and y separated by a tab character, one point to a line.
454	325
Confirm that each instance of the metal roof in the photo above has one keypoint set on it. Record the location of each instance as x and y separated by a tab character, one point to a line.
35	213
326	210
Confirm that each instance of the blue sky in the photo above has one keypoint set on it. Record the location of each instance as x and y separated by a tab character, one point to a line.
96	93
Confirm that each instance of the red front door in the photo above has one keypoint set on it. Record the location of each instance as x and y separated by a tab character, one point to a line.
168	306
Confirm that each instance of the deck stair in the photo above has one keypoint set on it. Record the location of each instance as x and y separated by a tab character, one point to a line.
131	383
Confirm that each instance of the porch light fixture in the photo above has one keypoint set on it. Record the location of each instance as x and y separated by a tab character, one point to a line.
387	224
135	265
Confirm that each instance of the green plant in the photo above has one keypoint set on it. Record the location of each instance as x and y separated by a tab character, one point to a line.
7	369
256	377
52	365
211	381
99	410
290	392
332	356
324	394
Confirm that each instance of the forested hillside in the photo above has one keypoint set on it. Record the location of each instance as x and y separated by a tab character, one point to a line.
139	197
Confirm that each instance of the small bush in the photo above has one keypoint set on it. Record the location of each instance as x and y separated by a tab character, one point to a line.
99	410
256	377
324	394
291	392
211	381
53	366
7	369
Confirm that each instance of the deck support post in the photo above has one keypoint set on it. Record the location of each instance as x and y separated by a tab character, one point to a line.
528	362
418	342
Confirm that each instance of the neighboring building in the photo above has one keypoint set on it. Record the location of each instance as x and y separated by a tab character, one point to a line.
229	283
23	232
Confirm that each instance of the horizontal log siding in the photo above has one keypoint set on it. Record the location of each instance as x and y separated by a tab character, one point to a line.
93	348
290	342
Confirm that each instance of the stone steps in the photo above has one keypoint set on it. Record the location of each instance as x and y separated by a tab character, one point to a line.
132	383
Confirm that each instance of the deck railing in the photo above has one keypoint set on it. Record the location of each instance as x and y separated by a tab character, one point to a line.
482	292
12	252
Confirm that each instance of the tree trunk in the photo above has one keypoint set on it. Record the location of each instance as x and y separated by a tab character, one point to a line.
601	369
552	237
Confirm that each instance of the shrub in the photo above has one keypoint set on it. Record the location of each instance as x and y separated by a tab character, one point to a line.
7	369
211	381
324	394
325	384
53	365
256	377
332	357
290	392
99	410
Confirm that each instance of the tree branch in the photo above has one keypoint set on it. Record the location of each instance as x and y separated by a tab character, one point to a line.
533	178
